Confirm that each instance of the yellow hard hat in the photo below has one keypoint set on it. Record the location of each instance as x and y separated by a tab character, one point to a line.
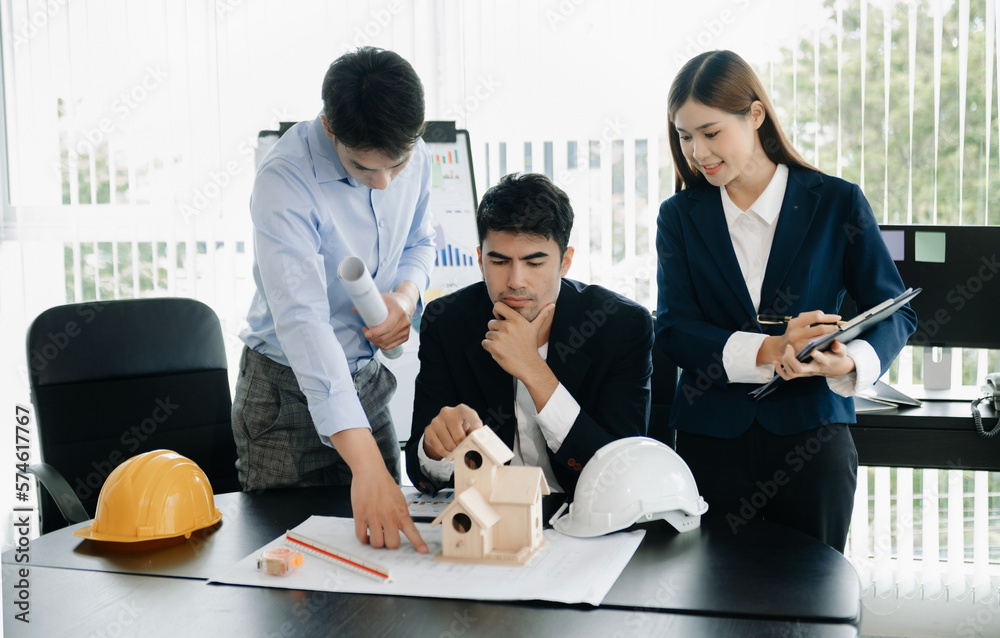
158	494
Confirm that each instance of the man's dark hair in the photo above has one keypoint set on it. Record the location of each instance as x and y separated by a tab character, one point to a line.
373	100
528	203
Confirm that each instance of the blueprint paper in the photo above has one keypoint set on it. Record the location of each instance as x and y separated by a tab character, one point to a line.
567	570
353	273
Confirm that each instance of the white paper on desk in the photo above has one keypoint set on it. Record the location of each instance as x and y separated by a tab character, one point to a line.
567	570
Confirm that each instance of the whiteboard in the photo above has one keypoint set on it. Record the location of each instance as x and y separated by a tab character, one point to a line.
453	208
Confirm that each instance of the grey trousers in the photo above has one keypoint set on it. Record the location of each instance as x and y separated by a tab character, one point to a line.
276	441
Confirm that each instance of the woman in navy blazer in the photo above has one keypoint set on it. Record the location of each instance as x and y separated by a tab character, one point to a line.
755	234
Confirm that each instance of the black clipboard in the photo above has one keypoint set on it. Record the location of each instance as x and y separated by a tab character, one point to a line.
844	333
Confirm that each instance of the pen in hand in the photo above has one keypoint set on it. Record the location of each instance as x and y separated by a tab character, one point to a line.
779	319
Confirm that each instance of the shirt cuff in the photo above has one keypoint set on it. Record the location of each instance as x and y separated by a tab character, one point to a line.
739	358
557	417
440	471
418	310
411	273
867	369
341	411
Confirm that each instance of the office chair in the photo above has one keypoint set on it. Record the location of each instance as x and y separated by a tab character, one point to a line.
110	380
663	385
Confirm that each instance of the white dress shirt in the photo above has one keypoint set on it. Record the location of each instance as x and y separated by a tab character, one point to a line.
752	234
535	431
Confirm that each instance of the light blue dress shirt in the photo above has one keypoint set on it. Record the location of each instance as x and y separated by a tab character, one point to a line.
308	214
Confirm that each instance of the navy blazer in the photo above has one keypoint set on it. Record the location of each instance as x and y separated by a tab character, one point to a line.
600	349
826	241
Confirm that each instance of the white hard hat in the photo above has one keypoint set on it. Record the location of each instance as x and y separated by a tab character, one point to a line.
630	480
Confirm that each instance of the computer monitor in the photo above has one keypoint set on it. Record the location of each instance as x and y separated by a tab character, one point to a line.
958	268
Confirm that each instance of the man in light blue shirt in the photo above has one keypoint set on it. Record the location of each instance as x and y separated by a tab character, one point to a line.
311	404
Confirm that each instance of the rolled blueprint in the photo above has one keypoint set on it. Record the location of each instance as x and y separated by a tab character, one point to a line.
358	282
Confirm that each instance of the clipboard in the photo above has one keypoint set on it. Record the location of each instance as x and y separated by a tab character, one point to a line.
844	334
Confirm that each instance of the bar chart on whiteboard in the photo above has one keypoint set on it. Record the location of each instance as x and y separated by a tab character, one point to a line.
452	205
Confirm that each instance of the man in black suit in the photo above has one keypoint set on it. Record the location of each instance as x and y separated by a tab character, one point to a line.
557	368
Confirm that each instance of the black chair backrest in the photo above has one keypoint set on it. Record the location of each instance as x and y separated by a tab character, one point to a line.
113	379
663	385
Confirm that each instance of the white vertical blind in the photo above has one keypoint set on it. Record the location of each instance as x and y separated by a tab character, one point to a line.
981	582
937	11
816	83
992	22
963	76
955	580
886	77
883	578
653	196
931	550
795	95
860	533
864	88
839	8
904	577
912	77
629	218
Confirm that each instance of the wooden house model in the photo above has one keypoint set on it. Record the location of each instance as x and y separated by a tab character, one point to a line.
496	516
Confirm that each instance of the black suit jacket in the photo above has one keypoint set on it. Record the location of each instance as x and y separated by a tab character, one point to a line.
827	242
599	349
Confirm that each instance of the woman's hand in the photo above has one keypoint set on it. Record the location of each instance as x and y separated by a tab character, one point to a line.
832	363
781	351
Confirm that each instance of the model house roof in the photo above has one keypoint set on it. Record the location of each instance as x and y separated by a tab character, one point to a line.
485	441
515	485
473	504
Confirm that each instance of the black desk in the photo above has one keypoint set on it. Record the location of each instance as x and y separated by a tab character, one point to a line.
764	580
80	603
937	434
